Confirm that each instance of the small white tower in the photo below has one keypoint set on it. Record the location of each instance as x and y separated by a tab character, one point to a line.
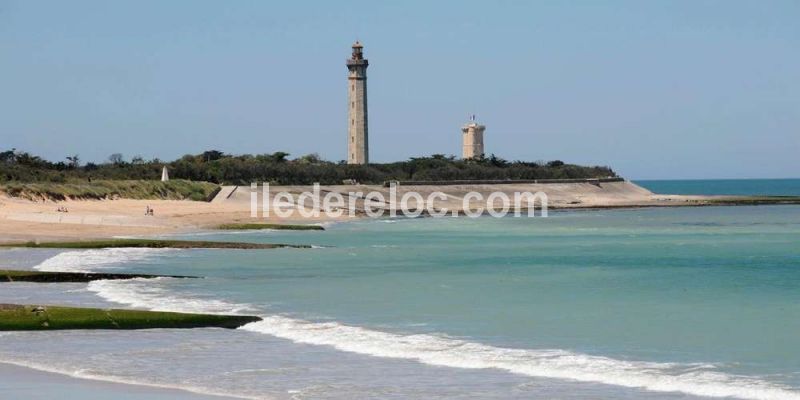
164	174
472	134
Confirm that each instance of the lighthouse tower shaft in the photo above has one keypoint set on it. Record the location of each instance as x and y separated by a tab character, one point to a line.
472	141
357	132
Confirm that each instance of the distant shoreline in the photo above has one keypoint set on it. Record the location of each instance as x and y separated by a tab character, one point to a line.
24	220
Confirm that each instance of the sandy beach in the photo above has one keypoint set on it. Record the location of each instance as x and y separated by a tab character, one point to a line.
25	220
26	383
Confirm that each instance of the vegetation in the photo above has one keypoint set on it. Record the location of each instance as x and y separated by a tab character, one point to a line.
220	168
153	243
271	226
752	201
18	317
47	276
107	189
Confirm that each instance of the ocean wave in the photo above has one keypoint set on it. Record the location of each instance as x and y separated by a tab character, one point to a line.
98	259
695	379
152	294
139	293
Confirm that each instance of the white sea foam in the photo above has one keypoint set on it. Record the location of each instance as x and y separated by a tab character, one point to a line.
141	293
694	379
152	295
98	259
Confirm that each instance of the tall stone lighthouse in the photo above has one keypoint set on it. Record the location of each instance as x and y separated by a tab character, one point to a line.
357	134
472	139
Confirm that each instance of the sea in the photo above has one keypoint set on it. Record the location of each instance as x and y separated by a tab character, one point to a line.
659	303
741	187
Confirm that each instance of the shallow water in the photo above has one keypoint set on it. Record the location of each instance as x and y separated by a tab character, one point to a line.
655	303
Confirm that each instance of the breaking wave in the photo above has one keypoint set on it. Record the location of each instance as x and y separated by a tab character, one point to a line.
441	350
99	260
152	294
695	379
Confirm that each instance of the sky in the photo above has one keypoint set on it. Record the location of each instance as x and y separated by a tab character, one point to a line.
654	89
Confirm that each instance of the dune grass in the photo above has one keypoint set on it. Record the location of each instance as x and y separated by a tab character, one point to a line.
111	189
153	243
27	317
49	276
271	226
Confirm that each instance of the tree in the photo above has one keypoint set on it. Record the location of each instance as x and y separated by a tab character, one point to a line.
212	155
74	161
312	158
443	157
278	157
496	161
27	159
276	167
116	159
137	160
8	157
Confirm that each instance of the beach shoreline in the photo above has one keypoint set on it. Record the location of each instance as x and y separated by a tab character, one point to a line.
23	220
51	384
29	382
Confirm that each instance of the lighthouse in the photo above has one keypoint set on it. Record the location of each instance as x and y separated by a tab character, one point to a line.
472	141
357	132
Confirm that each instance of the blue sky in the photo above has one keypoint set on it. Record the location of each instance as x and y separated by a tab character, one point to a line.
670	89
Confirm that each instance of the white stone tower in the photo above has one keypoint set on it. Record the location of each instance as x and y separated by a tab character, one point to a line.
357	134
472	134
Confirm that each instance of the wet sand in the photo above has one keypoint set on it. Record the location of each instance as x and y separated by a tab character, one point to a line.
18	382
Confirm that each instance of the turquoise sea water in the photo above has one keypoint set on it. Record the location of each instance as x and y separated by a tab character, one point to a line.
646	303
767	187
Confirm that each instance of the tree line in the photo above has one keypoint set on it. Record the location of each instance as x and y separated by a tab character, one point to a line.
278	168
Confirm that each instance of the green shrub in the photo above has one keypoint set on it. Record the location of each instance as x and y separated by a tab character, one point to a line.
107	189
